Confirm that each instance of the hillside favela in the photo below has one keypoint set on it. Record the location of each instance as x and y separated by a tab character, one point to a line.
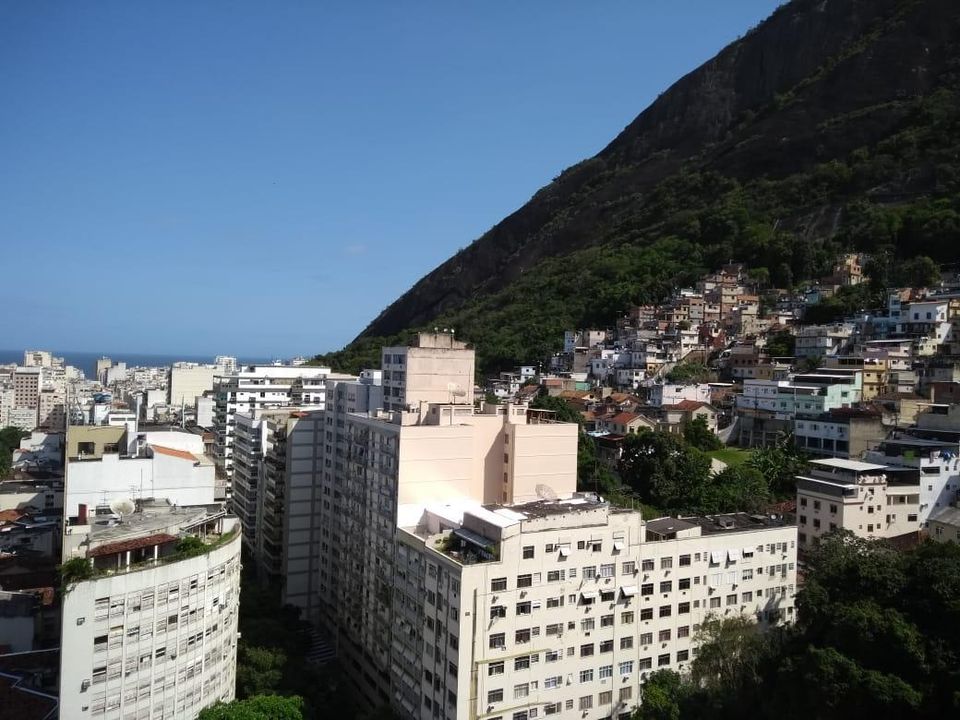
677	438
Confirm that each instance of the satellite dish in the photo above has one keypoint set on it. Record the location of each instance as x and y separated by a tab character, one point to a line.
122	506
545	492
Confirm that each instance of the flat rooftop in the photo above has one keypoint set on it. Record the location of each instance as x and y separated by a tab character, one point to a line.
153	518
546	508
919	442
843	464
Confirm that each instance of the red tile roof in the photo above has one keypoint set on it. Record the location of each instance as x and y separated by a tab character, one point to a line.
182	454
624	418
134	544
687	405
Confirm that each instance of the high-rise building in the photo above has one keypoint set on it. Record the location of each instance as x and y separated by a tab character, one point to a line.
153	632
436	368
564	607
252	388
37	358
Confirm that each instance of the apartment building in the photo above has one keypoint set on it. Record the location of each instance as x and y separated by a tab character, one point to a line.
563	607
435	368
842	432
153	632
188	381
932	467
868	499
107	463
253	388
26	392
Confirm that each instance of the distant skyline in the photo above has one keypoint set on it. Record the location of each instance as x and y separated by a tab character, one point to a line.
262	179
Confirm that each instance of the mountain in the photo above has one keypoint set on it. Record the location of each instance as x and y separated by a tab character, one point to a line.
833	125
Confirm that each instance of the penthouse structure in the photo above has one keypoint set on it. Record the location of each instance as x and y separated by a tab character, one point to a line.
150	626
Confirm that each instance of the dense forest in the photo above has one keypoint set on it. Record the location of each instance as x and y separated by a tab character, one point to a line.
841	148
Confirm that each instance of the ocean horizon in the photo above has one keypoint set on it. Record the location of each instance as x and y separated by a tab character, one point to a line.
87	361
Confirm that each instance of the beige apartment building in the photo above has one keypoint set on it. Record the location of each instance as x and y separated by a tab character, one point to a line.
440	535
564	607
869	500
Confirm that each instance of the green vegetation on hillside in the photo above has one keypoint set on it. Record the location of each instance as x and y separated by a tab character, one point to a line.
698	219
9	441
876	637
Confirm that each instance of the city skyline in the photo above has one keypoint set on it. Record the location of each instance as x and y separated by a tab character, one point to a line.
194	159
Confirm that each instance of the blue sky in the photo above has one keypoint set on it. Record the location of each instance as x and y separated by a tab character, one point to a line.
262	178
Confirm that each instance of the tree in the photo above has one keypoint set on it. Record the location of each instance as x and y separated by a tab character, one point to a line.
735	489
781	344
259	670
662	696
564	411
920	271
698	434
688	373
10	438
727	651
259	707
663	470
779	464
810	364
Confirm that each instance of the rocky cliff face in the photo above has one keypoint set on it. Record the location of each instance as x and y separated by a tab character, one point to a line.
815	81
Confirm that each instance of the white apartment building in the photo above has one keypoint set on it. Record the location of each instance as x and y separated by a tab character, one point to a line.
252	388
563	607
161	464
154	633
673	394
868	499
189	381
932	466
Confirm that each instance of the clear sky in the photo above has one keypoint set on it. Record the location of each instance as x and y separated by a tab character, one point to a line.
262	178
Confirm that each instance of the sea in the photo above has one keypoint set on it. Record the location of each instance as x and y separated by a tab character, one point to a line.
87	361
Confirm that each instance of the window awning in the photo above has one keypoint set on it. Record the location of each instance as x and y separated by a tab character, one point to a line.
590	595
564	552
618	545
733	555
716	556
629	590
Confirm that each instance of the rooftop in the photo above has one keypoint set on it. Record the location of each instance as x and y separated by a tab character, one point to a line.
947	516
843	464
152	519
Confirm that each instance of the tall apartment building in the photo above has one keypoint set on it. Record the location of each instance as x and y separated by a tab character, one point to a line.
316	449
189	381
563	607
252	388
40	358
436	368
26	391
153	634
441	535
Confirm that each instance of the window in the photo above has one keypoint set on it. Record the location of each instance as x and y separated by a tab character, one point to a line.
498	585
683	584
606	697
748	596
626	667
552	682
522	636
496	611
714	603
648	565
732	599
683	631
646	638
803	502
607	570
628	568
833	509
666	586
747	574
683	608
626	617
683	655
586	702
497	640
606	646
626	642
663	660
587	624
528	552
555	575
606	621
521	691
524	581
684	560
589	572
645	663
646	614
586	650
494	696
521	663
666	563
626	693
586	676
523	608
665	610
816	504
495	668
646	589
